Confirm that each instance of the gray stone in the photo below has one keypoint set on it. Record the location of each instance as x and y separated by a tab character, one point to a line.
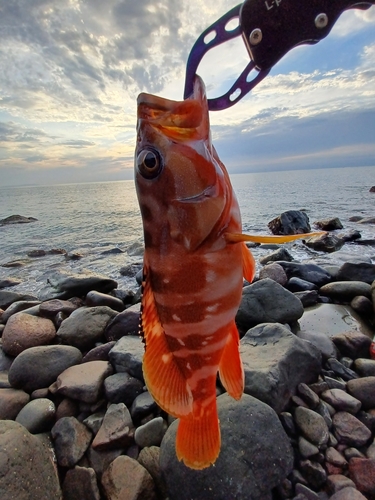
27	471
335	458
325	243
308	272
349	430
337	482
348	493
84	382
306	493
38	367
151	433
274	272
353	343
99	353
290	222
142	406
51	308
255	457
11	403
308	298
320	340
71	440
341	400
125	323
279	254
7	298
362	306
329	224
306	448
340	369
345	290
5	361
308	395
312	425
117	429
299	285
94	421
37	415
100	460
85	326
364	390
314	473
80	484
256	307
149	458
16	307
127	356
95	298
122	388
365	367
357	272
275	362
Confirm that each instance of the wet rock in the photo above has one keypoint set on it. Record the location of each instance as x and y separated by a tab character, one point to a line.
290	222
353	344
341	400
51	308
23	331
308	272
16	219
80	484
85	326
142	406
247	426
84	382
62	285
125	478
329	224
351	235
337	482
306	448
127	356
8	282
308	298
279	254
36	253
71	440
149	458
325	243
11	403
18	306
363	306
312	425
357	272
122	388
335	458
151	433
320	341
95	298
99	353
365	367
308	395
364	390
39	367
256	308
299	285
37	415
274	378
349	430
67	408
117	429
125	323
345	290
362	472
367	220
36	476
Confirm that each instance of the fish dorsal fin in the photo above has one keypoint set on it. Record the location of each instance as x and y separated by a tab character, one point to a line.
284	238
163	378
230	368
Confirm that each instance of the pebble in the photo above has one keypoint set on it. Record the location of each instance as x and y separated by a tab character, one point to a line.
349	430
341	400
71	439
151	433
37	415
364	390
312	425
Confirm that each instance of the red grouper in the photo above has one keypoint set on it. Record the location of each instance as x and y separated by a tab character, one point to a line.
194	263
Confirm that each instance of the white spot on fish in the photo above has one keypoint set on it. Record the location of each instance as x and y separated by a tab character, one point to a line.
212	308
204	343
166	280
188	366
166	358
181	342
176	318
210	276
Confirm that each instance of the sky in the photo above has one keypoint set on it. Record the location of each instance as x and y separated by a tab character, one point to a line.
71	71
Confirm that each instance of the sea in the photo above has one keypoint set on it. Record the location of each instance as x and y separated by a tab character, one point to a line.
101	221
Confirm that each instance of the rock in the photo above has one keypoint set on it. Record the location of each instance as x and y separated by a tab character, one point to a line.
117	429
275	362
8	282
312	425
349	430
84	382
362	472
126	479
36	253
11	403
100	460
341	370
99	353
37	415
122	388
341	400
290	222
352	343
345	290
348	493
256	308
351	235
38	367
333	319
362	306
25	455
255	456
149	458
5	361
80	484
308	272
85	326
335	458
357	272
325	243
308	395
372	189
151	433
7	298
127	356
62	285
23	331
329	224
50	308
306	448
142	406
308	298
279	254
16	219
364	390
337	482
314	473
320	341
274	272
367	220
299	285
95	298
125	323
67	408
94	421
71	440
365	367
19	306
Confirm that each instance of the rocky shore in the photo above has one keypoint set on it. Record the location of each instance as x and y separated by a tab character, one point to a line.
77	422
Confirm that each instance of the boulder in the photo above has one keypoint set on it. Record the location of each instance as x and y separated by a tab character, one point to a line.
290	222
256	306
16	219
39	367
361	271
27	471
275	362
274	272
279	254
329	224
256	456
7	298
345	290
308	272
325	243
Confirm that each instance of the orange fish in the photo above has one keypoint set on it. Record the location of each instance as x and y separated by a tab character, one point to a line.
194	263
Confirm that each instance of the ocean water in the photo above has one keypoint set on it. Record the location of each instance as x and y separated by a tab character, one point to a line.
95	218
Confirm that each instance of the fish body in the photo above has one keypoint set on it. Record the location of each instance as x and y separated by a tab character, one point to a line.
193	273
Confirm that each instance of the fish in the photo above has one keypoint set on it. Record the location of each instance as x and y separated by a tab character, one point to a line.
194	263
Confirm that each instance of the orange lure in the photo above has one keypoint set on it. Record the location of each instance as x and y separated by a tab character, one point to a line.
194	262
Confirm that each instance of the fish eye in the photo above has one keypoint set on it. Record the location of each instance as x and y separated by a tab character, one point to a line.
149	163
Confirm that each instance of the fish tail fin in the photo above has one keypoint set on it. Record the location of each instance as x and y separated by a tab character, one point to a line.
198	438
248	263
230	367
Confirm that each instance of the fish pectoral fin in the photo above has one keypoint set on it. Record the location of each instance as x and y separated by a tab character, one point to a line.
230	367
248	263
198	438
238	237
162	375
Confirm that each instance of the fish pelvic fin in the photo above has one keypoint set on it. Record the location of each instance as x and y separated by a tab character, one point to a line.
162	375
198	438
230	367
284	238
248	263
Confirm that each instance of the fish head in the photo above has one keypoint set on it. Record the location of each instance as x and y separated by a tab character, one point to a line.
181	183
